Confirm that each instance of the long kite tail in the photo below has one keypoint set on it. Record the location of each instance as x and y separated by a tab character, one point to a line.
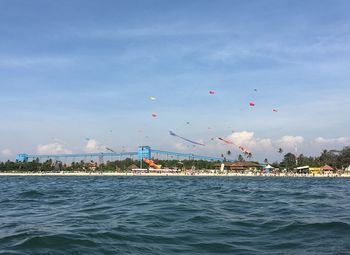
183	138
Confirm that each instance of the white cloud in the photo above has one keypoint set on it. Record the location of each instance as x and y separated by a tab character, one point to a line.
247	139
6	152
52	148
93	146
288	141
339	140
180	147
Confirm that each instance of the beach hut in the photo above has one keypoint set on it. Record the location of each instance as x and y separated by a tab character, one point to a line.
347	170
268	168
327	169
302	169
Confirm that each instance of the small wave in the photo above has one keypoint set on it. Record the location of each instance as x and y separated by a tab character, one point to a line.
336	226
57	241
213	247
200	219
31	194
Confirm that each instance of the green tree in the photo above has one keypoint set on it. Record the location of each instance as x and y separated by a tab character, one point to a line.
240	158
289	161
344	157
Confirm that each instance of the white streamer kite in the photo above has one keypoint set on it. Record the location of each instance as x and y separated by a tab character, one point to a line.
183	138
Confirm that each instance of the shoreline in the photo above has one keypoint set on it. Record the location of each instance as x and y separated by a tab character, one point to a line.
173	174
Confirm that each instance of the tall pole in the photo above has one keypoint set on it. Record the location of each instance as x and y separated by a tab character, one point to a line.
141	157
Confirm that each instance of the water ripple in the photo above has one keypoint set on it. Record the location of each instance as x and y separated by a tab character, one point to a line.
173	215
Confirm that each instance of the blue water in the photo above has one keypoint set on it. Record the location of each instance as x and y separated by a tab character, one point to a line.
174	215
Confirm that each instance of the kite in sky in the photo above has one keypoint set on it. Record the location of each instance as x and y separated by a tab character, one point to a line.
211	92
244	150
152	98
154	115
109	149
183	138
255	90
274	110
251	104
225	141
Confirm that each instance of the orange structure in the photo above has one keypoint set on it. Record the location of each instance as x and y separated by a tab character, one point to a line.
151	163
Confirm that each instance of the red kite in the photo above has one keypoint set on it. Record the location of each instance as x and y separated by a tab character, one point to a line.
225	141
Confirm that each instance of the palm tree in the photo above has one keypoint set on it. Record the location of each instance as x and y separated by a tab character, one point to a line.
240	158
280	151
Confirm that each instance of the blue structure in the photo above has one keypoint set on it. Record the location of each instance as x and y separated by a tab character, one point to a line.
142	152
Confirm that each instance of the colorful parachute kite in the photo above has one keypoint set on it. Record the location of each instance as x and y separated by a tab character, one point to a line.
183	138
211	92
274	110
154	115
225	141
251	104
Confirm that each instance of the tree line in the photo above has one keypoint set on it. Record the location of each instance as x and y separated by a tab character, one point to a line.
338	159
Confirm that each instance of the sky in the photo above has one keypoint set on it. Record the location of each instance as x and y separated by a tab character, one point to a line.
74	69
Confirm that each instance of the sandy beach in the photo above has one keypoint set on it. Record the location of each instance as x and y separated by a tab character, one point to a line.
170	174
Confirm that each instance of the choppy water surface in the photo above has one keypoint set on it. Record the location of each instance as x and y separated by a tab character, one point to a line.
174	215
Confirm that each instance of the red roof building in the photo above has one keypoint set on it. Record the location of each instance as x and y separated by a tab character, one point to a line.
327	168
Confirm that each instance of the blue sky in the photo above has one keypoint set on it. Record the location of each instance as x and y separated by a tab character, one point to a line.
76	69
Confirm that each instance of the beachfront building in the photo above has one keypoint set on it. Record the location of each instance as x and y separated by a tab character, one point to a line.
315	170
268	168
327	169
240	167
92	166
302	170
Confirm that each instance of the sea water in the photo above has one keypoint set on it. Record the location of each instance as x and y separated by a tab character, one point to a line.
174	215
